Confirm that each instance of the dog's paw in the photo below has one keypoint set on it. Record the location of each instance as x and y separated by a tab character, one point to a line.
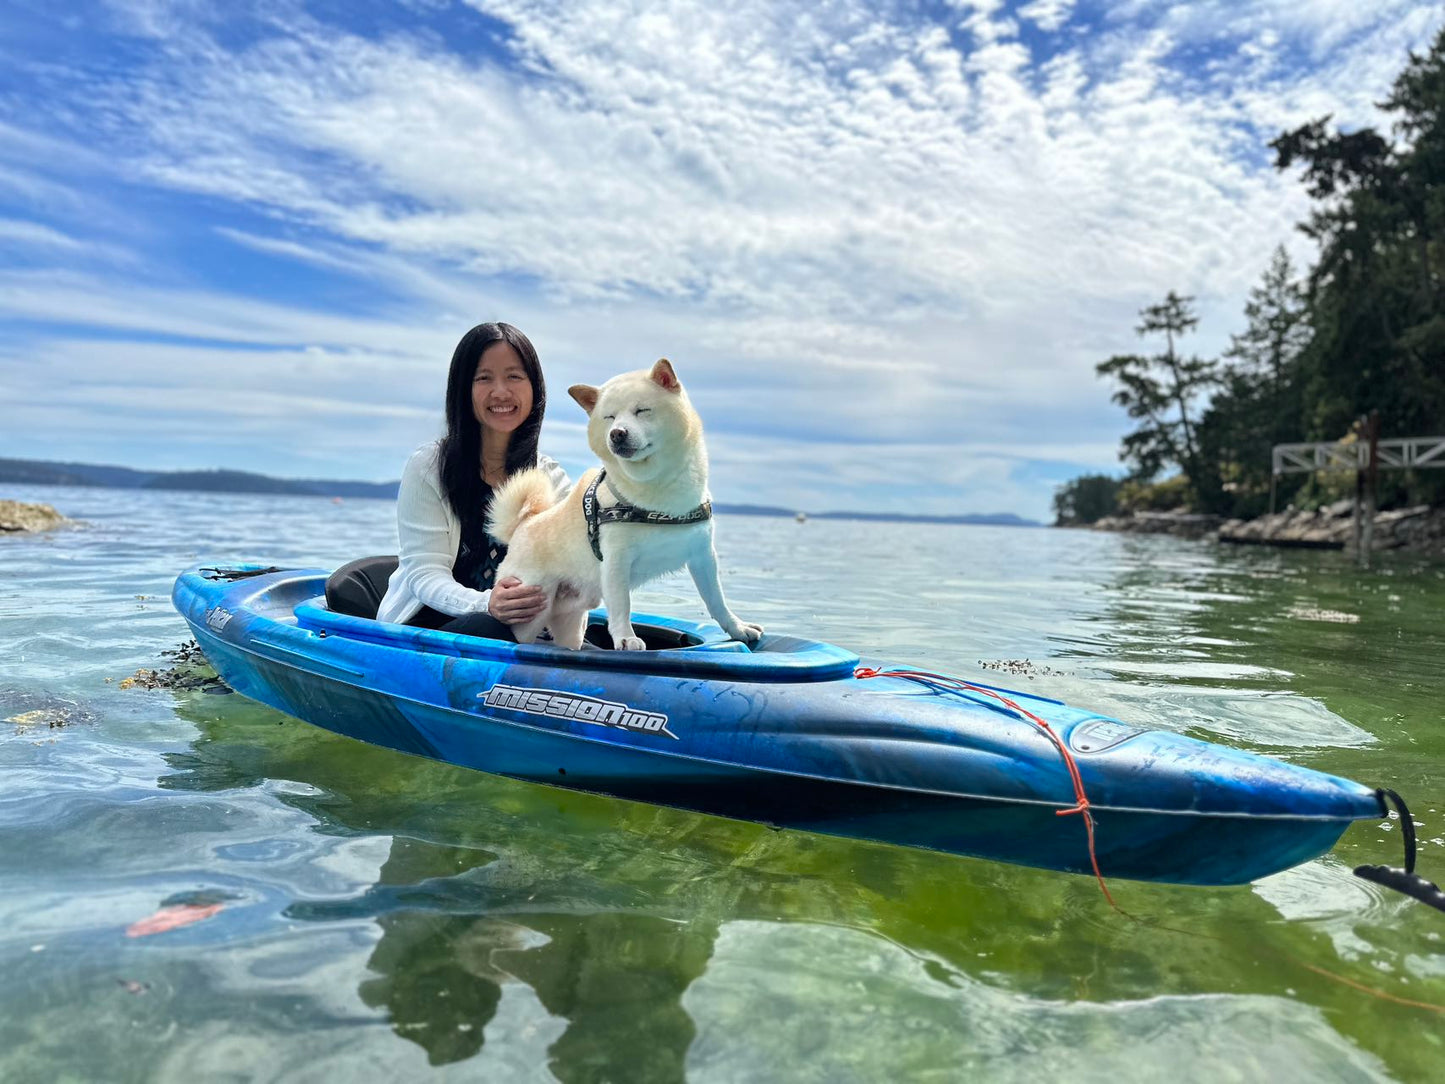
747	632
628	643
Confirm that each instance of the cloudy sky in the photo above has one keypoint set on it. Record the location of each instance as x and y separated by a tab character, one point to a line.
884	244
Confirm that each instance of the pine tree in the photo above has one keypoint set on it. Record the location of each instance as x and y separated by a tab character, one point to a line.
1259	405
1159	390
1377	295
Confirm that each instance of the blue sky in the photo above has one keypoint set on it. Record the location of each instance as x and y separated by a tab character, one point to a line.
883	244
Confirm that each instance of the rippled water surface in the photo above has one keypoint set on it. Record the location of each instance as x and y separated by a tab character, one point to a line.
384	917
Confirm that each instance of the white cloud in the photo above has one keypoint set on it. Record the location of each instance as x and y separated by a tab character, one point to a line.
20	232
690	158
844	223
1048	15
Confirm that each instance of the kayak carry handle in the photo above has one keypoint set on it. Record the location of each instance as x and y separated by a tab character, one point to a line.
1407	823
1406	880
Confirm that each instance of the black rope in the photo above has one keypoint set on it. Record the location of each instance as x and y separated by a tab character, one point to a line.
1406	880
239	573
1407	824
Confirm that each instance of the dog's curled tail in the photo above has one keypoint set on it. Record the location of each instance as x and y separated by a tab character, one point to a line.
523	495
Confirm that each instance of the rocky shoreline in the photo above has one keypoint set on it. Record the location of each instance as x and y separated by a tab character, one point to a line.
1420	529
18	517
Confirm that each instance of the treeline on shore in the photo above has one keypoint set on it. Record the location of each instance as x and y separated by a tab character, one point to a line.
1362	331
42	472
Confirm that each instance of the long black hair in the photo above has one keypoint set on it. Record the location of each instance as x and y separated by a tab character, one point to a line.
461	449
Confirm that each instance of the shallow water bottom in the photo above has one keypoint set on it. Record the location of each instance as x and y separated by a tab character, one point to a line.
382	916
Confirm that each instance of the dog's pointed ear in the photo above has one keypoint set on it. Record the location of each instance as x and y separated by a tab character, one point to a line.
663	376
585	394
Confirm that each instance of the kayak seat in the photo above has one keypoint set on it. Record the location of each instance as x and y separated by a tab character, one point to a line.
358	587
656	637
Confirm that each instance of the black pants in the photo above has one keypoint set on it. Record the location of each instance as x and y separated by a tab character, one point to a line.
480	624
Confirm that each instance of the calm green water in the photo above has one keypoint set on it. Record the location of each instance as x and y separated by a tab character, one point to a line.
386	917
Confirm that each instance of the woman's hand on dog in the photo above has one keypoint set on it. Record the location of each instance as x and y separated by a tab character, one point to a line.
513	601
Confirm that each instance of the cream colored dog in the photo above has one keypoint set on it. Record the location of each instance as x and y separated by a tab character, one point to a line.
650	516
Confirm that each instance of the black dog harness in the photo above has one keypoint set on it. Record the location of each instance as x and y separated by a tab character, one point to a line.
622	512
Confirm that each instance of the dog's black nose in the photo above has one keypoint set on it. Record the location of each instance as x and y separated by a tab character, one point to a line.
618	437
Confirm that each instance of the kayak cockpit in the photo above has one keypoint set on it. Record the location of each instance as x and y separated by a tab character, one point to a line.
677	648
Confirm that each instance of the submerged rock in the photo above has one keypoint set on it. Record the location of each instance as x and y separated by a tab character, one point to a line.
29	711
52	718
17	516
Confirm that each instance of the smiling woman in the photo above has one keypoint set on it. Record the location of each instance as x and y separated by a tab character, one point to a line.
447	571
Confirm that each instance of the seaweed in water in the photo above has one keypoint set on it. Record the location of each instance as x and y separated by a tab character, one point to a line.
1020	668
189	671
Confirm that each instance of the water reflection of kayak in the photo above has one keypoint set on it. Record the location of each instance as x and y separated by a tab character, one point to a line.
793	733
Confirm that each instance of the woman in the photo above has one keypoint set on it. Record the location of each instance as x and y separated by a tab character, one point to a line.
448	563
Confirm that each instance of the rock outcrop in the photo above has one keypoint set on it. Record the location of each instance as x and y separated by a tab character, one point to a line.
1417	529
17	516
1178	524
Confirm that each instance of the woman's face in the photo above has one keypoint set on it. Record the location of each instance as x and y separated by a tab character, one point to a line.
501	392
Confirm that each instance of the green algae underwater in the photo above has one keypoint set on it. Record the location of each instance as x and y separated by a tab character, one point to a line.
384	916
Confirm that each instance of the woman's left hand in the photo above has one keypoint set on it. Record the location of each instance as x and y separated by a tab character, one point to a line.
514	602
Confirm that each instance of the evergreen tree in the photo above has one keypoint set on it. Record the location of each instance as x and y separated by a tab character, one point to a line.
1266	353
1086	499
1377	299
1159	391
1260	403
1367	333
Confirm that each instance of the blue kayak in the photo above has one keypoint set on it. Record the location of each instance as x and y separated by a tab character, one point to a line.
786	733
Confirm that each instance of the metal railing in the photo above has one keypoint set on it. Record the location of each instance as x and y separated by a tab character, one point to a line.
1409	453
1364	453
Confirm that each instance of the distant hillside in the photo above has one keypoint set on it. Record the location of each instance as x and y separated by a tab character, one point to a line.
997	519
39	472
226	481
752	510
45	473
994	519
42	473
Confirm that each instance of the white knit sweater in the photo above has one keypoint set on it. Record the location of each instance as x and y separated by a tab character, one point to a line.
429	536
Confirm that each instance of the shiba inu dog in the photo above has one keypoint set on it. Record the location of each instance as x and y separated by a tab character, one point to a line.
645	514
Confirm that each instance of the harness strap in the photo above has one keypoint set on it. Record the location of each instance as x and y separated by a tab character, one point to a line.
622	512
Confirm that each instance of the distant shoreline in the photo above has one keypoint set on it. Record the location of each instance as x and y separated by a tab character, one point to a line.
39	472
1417	529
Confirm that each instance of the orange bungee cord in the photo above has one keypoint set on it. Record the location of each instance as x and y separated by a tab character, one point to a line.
957	685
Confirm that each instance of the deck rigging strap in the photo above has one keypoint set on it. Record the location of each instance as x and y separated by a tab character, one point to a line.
239	573
1406	880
